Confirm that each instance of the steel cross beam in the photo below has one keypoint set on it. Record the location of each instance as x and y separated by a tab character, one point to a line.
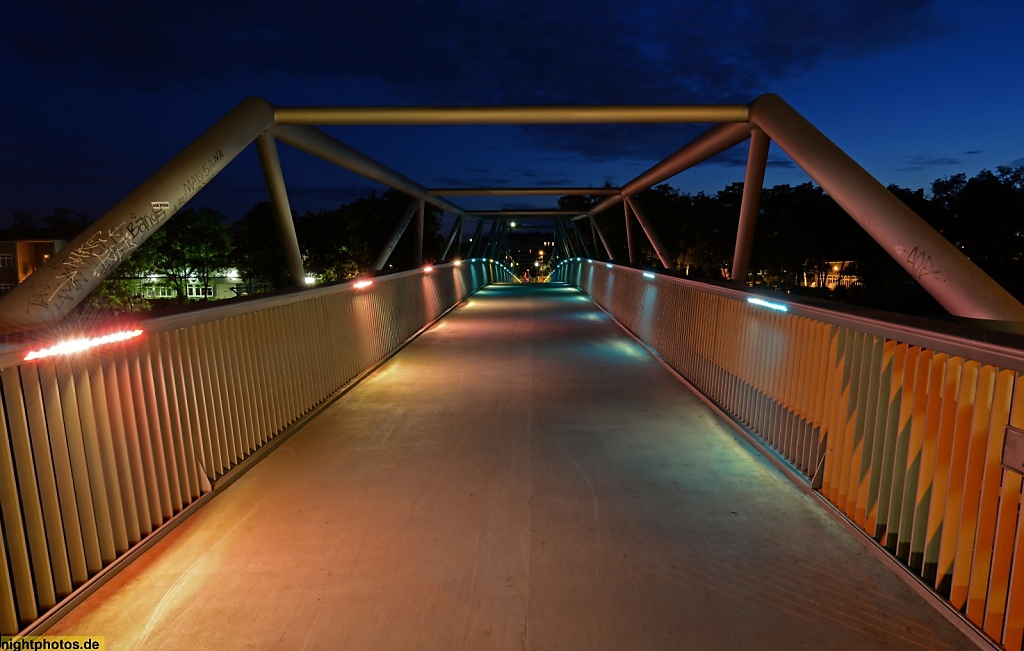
520	192
525	213
516	115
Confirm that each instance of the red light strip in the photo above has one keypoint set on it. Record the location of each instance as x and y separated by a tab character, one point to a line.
72	346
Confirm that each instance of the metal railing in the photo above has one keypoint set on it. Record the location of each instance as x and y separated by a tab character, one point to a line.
900	428
102	449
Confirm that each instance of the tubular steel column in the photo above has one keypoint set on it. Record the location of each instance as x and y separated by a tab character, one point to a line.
495	247
456	230
560	241
945	273
492	236
579	237
604	241
652	235
568	241
474	241
282	211
71	273
757	160
713	142
403	223
631	243
485	249
418	248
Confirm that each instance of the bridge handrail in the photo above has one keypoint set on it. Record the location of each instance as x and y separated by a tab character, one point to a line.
952	338
906	431
101	452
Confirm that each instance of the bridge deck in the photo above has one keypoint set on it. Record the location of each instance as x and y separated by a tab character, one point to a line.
524	475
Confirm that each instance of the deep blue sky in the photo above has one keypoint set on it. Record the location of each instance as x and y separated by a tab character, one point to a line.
98	95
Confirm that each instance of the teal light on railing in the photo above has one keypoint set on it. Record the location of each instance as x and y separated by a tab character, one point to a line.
771	305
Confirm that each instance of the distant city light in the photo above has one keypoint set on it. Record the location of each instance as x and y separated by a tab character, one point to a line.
78	345
768	304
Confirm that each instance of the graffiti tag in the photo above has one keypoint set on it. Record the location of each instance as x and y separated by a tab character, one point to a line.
921	264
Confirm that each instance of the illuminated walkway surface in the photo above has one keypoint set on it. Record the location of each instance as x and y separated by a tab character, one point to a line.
524	475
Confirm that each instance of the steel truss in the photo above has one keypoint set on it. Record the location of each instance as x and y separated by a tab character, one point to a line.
952	279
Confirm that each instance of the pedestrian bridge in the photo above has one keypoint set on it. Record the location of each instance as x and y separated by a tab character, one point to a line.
616	460
441	457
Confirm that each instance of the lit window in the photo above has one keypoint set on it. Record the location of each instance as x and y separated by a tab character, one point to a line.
6	259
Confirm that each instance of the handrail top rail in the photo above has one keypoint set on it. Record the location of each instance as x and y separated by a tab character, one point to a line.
13	354
961	345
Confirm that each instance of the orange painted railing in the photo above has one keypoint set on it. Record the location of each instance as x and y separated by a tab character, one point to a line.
900	428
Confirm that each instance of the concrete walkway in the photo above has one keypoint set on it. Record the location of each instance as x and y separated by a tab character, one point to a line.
524	475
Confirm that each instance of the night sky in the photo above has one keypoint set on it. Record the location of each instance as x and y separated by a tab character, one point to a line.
98	95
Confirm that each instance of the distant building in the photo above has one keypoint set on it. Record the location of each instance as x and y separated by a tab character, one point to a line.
530	250
20	258
228	286
838	273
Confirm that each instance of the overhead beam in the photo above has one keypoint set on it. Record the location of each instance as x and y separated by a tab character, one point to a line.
447	115
320	144
523	213
519	192
711	143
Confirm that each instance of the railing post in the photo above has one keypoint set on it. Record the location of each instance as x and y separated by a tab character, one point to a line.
271	164
757	160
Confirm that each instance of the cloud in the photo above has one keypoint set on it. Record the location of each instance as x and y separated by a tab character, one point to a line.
505	51
485	179
921	162
150	61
